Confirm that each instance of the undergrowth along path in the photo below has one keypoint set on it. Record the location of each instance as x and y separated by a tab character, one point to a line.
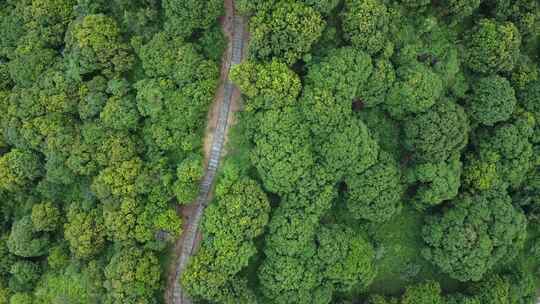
233	26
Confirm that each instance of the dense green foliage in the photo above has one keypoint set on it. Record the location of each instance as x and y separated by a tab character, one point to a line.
437	134
493	100
416	89
103	104
287	32
400	135
492	46
231	224
386	152
366	24
479	231
376	193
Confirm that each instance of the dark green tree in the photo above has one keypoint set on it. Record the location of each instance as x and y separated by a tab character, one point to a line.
24	276
269	85
509	149
287	32
367	25
21	298
45	217
492	47
417	88
29	63
172	57
492	100
422	293
460	9
174	100
49	20
185	17
300	282
6	257
18	168
375	90
189	174
282	152
120	113
85	233
94	44
348	150
434	183
376	193
479	231
384	130
462	299
438	134
75	284
425	293
525	72
529	98
24	242
287	274
524	14
415	4
347	260
132	276
213	43
12	26
341	73
252	6
494	289
242	210
93	97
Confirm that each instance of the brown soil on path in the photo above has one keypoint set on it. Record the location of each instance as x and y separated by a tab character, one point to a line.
236	104
213	114
187	211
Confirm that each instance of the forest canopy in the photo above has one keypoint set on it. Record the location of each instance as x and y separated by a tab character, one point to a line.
400	135
103	107
384	152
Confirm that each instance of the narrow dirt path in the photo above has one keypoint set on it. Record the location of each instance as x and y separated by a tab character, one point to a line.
215	137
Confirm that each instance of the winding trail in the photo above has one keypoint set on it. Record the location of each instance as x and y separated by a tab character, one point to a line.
226	97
